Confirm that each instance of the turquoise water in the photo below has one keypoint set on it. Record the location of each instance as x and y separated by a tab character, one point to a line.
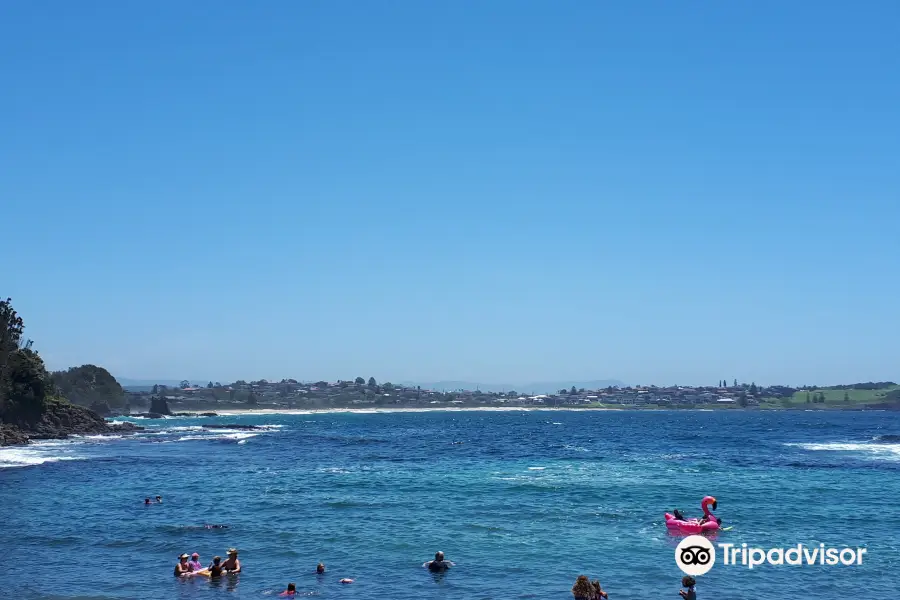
523	502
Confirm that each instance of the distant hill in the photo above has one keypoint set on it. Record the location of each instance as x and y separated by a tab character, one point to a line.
542	387
129	383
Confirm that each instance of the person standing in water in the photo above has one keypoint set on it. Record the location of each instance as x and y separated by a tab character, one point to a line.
688	582
320	568
182	568
194	563
438	565
232	565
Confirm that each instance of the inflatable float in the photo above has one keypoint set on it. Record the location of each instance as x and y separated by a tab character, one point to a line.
695	526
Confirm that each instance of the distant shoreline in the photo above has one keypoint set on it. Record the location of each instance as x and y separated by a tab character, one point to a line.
388	410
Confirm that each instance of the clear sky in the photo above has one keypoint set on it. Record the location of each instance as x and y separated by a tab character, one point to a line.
491	190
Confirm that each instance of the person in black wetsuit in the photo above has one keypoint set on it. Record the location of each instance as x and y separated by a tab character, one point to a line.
438	565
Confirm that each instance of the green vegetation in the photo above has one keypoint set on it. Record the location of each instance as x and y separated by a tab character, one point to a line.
838	397
24	382
91	386
31	406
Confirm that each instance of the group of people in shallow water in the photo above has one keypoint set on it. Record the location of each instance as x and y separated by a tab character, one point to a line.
190	565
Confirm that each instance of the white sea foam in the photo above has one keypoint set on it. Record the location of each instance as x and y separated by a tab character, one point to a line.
880	451
38	453
240	436
536	468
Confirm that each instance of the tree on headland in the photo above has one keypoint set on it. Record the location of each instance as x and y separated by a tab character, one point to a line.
209	385
185	384
753	389
735	383
155	389
359	381
573	391
846	396
251	399
90	385
742	399
24	381
372	382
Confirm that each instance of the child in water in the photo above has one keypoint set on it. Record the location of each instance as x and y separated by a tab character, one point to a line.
688	582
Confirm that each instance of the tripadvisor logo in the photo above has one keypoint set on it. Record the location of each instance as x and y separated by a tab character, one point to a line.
695	555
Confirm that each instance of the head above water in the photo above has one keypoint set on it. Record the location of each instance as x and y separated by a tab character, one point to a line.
320	568
159	498
217	560
688	581
438	555
232	552
583	587
183	557
195	555
291	587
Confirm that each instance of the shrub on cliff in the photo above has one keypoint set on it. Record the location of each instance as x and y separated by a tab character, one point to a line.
88	385
24	381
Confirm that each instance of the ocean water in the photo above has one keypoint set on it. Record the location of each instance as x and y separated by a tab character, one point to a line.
522	501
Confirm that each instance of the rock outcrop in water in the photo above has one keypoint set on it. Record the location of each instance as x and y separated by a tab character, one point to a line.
159	406
30	407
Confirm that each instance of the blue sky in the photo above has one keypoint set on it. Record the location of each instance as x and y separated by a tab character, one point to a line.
511	191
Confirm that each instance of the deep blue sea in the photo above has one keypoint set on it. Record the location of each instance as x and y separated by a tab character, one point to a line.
522	502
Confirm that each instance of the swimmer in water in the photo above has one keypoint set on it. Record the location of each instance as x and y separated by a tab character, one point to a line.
146	501
320	568
159	499
232	565
194	563
216	526
215	568
290	591
346	580
438	565
182	569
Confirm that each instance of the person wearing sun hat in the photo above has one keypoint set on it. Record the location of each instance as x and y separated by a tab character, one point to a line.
232	565
182	568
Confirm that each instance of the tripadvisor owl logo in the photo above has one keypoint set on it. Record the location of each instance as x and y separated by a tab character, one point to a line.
695	555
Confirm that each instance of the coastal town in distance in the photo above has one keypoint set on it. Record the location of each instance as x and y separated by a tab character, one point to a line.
361	393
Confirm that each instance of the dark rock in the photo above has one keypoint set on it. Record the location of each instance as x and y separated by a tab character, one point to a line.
209	414
159	406
59	420
101	408
241	427
12	436
147	415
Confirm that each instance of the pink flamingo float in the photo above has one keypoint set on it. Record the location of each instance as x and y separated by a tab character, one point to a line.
693	526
